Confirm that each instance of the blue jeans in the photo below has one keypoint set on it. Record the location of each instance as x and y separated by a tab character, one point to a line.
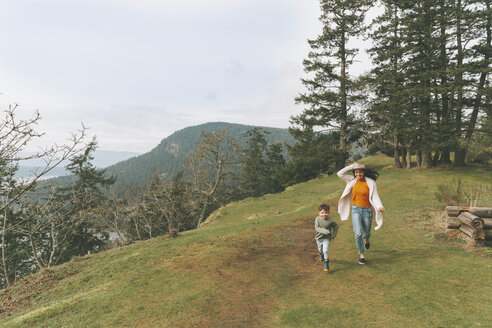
362	220
323	247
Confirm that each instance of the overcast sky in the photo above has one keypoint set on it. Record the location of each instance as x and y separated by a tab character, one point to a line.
135	71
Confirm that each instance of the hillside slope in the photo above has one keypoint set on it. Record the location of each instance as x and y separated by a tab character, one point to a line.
167	157
255	264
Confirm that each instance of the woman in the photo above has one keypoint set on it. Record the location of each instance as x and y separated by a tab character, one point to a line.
362	195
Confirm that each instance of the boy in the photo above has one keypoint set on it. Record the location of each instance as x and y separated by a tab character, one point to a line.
326	230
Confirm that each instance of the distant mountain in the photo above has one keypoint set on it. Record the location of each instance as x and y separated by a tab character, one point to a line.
166	159
105	158
102	159
29	171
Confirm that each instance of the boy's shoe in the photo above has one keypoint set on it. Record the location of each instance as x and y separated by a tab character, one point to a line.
367	245
327	266
362	260
321	257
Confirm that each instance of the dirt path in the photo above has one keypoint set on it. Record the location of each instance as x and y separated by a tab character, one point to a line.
257	267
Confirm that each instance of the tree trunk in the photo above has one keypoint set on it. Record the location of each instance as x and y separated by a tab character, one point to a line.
445	126
419	158
409	157
4	249
210	194
436	157
343	104
394	60
427	92
33	248
396	155
446	157
426	160
170	223
460	153
202	214
54	244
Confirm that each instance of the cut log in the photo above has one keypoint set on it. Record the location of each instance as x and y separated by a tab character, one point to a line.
452	223
463	236
472	241
466	230
452	233
453	210
487	223
471	219
471	232
483	212
467	226
488	234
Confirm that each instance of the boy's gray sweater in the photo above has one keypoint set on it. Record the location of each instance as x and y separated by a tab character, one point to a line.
325	229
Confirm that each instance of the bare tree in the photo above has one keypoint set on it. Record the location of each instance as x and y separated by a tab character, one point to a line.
41	221
173	201
15	136
133	197
213	160
115	215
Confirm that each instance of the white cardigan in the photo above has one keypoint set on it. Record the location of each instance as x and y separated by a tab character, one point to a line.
345	202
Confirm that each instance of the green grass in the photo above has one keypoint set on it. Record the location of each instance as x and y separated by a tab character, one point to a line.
254	263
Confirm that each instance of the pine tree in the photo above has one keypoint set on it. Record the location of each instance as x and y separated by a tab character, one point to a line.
255	175
420	69
447	138
84	234
314	154
276	167
330	94
262	165
479	66
389	112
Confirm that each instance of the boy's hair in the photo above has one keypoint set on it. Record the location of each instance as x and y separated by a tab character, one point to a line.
324	206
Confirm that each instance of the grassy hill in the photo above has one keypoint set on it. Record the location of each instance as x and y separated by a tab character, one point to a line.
255	264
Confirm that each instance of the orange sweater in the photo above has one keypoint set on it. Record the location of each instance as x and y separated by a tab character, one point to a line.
360	194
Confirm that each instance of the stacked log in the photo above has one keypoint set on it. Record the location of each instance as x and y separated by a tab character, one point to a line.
473	224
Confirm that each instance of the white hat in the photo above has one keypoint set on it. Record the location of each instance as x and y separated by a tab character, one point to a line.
358	166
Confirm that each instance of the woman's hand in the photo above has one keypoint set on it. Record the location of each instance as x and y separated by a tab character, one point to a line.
381	209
